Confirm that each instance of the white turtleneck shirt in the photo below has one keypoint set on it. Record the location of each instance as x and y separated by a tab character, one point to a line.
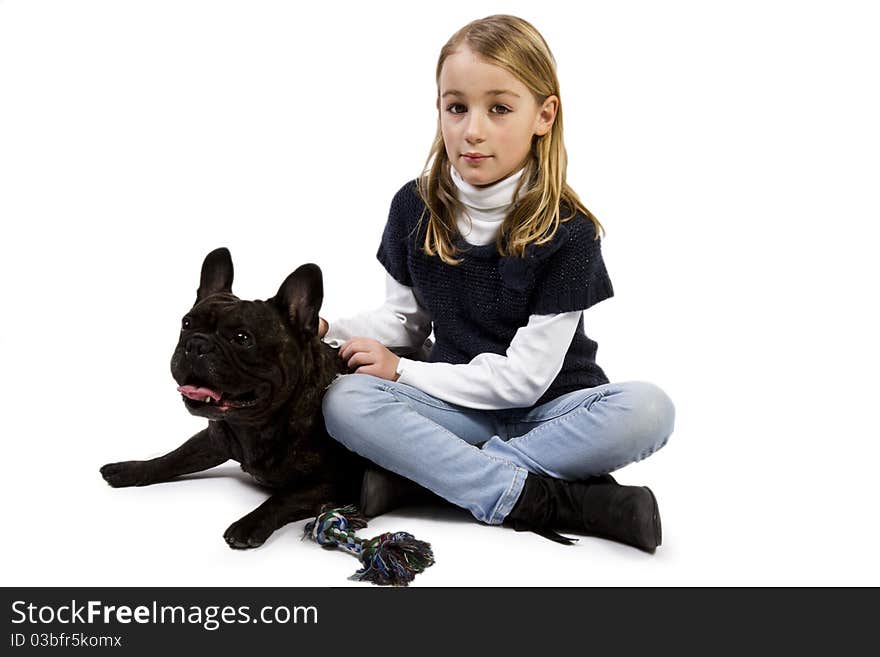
489	381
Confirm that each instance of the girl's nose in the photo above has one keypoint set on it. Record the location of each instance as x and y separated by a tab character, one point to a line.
473	133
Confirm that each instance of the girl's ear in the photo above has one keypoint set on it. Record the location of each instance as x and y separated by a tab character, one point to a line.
546	115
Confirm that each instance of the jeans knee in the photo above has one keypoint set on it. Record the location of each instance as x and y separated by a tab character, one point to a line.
346	400
654	415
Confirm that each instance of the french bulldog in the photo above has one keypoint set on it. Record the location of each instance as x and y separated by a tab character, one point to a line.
257	371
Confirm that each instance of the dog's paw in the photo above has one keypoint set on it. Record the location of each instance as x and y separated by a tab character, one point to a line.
125	473
246	533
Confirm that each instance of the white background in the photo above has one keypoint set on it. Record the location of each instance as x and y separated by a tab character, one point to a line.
730	149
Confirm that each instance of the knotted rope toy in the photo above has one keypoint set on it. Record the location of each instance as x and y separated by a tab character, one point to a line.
388	559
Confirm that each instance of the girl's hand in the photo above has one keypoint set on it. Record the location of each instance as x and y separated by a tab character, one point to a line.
367	356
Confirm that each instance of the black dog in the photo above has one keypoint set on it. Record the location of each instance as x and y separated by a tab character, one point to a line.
257	371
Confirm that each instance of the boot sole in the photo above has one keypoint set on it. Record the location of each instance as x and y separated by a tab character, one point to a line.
376	496
655	518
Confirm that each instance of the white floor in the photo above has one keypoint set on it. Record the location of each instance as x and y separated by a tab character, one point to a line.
65	526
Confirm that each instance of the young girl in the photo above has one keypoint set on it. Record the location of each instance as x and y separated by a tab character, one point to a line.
510	417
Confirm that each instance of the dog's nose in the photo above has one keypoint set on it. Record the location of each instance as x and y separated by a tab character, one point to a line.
198	345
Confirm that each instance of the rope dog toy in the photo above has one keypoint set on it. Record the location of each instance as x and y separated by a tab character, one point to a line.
388	559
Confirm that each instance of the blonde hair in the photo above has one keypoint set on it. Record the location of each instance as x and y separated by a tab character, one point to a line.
516	46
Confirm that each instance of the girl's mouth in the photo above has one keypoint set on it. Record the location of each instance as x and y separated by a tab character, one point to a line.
475	157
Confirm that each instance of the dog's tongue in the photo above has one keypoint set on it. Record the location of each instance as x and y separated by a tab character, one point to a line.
199	394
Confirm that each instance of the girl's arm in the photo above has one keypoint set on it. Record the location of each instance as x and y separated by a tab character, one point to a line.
491	381
400	323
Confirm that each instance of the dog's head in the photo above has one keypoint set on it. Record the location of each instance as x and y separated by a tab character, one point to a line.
241	360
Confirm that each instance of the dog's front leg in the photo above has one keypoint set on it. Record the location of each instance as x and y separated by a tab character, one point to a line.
198	453
283	507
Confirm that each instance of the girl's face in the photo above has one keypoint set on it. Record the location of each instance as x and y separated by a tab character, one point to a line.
488	118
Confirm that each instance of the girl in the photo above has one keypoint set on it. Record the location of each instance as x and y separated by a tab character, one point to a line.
510	417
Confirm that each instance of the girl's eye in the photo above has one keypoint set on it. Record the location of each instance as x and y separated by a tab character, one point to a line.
500	109
456	108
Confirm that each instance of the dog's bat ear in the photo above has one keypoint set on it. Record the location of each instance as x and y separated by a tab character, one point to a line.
300	296
216	274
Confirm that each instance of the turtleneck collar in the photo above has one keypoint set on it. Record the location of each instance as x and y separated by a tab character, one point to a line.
493	197
484	207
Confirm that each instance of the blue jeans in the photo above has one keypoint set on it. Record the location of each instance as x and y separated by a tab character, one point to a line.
479	459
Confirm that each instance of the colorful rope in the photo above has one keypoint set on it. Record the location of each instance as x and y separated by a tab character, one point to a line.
388	559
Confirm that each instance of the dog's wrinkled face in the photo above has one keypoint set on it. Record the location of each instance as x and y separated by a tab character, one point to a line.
231	357
241	360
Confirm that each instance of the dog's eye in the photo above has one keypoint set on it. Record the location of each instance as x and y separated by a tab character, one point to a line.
242	338
186	324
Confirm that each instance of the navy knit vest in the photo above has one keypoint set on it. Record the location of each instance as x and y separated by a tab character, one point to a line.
478	305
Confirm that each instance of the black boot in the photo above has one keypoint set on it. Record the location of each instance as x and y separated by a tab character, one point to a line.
596	507
383	491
